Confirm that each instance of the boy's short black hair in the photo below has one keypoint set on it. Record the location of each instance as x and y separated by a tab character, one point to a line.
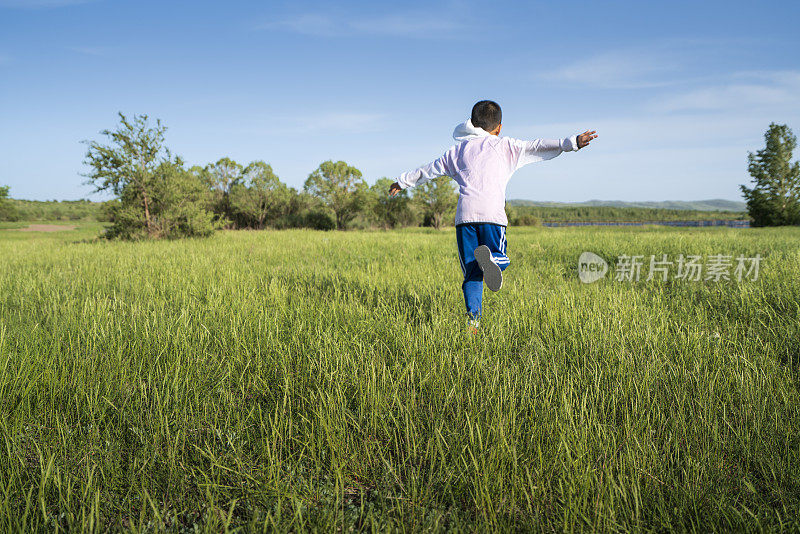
487	115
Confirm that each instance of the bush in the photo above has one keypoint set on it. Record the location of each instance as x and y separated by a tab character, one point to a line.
319	220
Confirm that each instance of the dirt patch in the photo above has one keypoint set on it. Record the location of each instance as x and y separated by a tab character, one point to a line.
46	228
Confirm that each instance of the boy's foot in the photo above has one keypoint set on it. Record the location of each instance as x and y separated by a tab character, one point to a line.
473	325
492	274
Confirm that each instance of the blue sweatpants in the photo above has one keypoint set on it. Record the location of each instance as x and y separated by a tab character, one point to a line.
469	237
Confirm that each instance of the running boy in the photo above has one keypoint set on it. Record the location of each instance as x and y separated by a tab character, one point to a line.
481	164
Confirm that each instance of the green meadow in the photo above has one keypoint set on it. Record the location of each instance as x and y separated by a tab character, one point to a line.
300	380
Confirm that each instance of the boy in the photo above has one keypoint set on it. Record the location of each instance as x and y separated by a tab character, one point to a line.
481	164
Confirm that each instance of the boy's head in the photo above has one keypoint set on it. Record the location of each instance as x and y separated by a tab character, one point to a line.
487	115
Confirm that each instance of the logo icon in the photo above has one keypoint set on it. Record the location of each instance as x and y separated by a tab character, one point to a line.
591	267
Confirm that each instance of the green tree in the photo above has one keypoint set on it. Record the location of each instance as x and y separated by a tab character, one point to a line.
224	174
436	198
158	197
221	177
774	198
390	212
260	197
341	188
7	210
202	174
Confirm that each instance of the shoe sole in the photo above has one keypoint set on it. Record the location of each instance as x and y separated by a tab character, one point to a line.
492	274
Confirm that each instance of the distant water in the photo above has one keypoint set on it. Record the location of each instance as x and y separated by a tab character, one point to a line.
730	224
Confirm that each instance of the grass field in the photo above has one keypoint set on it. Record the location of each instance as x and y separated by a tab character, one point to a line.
301	380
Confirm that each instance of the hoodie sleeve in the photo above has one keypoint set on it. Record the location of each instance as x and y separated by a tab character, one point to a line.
434	169
542	149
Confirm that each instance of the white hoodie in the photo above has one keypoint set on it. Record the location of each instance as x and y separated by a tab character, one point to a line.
481	164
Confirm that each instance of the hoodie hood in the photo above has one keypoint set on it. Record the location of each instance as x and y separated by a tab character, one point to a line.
466	131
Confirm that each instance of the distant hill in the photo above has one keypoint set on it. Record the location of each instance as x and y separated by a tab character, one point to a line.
714	204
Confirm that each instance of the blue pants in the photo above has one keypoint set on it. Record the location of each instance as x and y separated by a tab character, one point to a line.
469	237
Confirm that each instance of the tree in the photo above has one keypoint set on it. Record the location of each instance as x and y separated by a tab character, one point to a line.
8	212
340	187
221	177
260	197
774	198
224	174
436	197
390	211
158	197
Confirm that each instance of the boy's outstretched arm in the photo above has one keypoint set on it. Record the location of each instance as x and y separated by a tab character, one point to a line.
434	169
544	149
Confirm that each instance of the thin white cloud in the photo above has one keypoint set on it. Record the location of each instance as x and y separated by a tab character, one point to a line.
778	76
668	65
322	123
96	51
636	132
40	4
307	24
743	91
336	123
620	70
397	24
662	64
405	25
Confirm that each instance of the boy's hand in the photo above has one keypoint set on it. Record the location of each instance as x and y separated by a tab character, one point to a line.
394	189
585	138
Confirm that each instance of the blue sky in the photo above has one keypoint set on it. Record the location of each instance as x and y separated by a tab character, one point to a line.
678	91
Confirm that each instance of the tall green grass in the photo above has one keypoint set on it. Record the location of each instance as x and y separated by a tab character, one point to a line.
300	380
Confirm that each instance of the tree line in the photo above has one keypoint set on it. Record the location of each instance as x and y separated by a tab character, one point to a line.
87	210
14	209
157	195
536	215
